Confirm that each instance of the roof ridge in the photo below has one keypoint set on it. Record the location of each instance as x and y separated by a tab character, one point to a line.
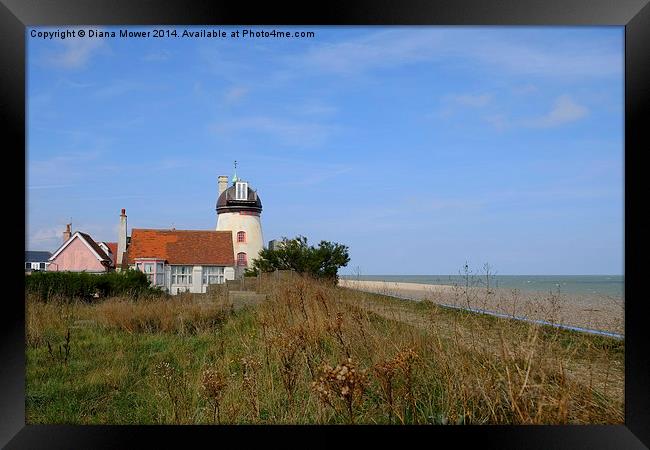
95	247
182	246
93	243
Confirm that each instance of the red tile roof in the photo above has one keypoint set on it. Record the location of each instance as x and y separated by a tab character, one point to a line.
182	246
112	246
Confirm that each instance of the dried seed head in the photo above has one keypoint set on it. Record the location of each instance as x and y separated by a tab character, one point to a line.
344	380
164	370
214	383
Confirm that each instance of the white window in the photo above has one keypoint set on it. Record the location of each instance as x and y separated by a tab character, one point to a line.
241	191
160	274
212	275
28	265
148	269
182	275
155	271
41	266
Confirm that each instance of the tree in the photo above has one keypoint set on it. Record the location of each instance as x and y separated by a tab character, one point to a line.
295	254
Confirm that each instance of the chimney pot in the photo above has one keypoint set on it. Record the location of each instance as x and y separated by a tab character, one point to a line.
68	232
122	239
223	183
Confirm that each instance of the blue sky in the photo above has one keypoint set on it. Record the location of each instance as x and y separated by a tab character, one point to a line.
418	147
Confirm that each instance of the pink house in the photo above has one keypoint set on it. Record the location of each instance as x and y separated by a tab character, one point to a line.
80	253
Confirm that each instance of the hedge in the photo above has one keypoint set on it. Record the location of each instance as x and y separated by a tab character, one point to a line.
86	286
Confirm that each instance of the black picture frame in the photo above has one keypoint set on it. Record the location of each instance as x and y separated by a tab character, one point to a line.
16	15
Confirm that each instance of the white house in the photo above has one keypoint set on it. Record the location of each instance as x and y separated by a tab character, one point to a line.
35	260
181	260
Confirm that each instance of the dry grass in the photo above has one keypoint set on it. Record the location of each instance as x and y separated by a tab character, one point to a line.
315	353
183	314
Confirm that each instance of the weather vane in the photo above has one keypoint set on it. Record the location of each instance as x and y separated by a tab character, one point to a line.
234	178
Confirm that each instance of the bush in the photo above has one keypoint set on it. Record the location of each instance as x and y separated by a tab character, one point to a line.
294	254
86	286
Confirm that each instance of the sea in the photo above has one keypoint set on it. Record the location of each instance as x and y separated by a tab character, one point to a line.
601	285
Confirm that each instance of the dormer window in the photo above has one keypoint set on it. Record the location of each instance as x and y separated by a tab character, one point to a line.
241	190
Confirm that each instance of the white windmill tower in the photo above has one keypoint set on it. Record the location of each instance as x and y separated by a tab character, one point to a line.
238	210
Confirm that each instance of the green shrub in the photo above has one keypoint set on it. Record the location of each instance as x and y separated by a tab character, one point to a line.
322	262
86	286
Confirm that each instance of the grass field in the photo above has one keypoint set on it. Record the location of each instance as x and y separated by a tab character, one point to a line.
310	354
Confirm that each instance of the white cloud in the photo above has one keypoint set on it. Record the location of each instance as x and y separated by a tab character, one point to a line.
220	64
236	93
499	121
47	235
169	164
158	56
424	205
475	101
314	108
120	87
76	84
197	89
453	103
64	169
399	47
564	110
382	49
525	89
49	186
288	131
577	60
116	89
544	193
75	53
314	176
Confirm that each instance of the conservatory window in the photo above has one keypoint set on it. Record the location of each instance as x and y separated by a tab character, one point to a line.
148	270
212	275
160	274
181	275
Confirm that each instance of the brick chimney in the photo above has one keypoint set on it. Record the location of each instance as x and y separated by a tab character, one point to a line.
68	232
121	240
223	183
